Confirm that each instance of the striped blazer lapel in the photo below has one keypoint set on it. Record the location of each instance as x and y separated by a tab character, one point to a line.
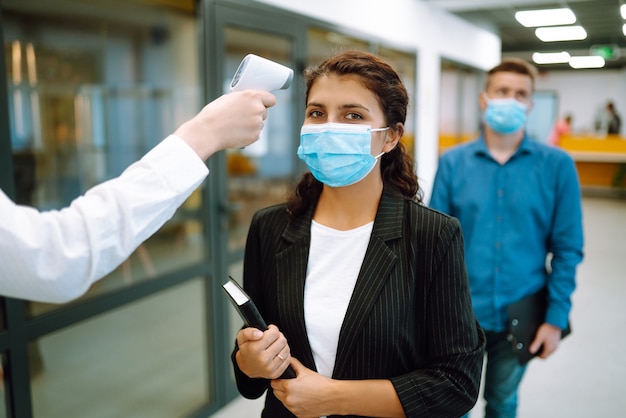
377	264
291	266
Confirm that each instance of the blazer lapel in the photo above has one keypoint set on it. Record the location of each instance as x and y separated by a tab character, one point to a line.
291	266
377	264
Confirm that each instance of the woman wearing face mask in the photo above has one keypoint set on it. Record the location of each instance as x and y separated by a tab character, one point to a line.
365	288
518	200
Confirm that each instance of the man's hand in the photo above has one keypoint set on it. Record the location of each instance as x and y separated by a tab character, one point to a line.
233	120
547	336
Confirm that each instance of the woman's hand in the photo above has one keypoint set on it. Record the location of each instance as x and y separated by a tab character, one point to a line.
262	354
312	395
308	395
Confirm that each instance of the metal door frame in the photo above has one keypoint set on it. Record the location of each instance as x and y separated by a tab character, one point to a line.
217	16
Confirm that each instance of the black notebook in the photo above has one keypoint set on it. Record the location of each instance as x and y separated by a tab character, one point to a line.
249	313
525	318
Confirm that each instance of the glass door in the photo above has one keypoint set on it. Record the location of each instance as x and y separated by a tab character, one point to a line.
242	181
259	175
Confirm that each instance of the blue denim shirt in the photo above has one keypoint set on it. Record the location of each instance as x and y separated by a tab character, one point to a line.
512	216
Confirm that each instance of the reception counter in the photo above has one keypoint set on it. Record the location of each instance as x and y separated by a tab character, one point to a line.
601	161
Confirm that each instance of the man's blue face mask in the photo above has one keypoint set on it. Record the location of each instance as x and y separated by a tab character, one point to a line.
338	154
505	116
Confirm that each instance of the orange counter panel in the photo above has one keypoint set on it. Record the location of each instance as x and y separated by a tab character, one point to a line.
597	159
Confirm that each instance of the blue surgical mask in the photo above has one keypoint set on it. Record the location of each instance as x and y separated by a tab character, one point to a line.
338	154
505	116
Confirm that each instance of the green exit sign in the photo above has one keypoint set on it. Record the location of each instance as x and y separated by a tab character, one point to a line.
608	52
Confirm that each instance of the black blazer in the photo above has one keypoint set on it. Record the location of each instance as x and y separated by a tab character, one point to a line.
410	318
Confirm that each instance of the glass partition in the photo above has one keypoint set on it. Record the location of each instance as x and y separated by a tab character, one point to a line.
3	407
261	174
91	90
323	42
147	359
405	64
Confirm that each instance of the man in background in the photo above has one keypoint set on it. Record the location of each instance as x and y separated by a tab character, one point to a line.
519	205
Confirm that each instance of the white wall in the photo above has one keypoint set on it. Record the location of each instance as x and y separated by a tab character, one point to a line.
416	26
583	92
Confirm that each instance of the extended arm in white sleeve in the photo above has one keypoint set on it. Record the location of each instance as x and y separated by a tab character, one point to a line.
55	256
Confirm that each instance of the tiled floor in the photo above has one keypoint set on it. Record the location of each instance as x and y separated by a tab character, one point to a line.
585	378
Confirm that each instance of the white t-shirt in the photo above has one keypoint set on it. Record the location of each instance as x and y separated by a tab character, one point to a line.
55	256
335	259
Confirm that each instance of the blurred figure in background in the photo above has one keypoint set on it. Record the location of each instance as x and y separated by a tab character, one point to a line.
615	121
561	127
518	202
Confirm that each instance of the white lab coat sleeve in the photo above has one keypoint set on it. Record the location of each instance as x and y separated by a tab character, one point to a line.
56	256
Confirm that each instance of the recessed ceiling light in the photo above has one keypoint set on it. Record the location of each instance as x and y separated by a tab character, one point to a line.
561	33
624	29
547	17
591	61
551	57
622	10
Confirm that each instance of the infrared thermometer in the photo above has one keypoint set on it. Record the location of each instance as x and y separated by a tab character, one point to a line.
258	73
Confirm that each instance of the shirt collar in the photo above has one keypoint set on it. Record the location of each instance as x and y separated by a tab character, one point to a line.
527	146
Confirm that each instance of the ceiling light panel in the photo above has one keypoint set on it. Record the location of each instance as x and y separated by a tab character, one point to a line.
561	33
591	61
551	57
547	17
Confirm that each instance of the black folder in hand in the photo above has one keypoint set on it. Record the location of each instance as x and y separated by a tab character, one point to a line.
525	318
249	313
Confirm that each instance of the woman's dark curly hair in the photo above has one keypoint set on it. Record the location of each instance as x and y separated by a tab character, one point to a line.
397	166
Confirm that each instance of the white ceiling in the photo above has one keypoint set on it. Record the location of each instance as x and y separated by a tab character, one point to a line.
600	18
